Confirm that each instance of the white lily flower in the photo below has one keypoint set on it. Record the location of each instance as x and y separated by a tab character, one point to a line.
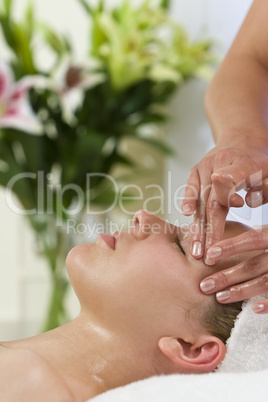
70	82
15	110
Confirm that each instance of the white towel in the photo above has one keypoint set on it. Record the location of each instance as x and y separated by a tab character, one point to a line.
247	348
213	387
242	377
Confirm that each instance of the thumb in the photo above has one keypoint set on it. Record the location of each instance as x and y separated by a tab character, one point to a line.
258	195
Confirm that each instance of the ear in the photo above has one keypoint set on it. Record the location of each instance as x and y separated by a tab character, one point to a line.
202	356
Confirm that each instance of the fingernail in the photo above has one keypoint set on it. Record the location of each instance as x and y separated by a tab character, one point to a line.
187	208
207	285
209	261
258	308
214	252
255	199
222	296
197	249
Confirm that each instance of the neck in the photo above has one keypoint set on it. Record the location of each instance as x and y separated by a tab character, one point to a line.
89	357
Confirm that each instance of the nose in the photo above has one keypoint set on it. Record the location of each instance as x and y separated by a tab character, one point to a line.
144	223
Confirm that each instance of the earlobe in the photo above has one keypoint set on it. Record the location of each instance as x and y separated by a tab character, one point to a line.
202	356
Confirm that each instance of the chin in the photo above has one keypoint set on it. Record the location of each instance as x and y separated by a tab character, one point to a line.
77	257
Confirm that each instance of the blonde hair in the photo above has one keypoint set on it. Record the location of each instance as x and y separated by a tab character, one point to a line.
219	319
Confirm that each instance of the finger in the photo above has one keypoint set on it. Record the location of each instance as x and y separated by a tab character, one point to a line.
226	190
243	291
198	228
241	174
247	241
260	307
191	194
197	235
215	212
258	196
244	271
216	217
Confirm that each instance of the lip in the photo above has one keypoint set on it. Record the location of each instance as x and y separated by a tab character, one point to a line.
109	240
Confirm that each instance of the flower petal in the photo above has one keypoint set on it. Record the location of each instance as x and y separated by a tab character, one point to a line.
92	79
30	81
20	116
70	101
6	80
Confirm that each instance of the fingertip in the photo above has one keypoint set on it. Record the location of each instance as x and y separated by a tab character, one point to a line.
209	261
259	308
208	285
197	249
214	252
255	199
236	201
188	209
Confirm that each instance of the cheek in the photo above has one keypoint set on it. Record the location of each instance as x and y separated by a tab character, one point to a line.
148	280
149	294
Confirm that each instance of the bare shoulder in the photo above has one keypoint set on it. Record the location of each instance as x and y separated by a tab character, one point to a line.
26	376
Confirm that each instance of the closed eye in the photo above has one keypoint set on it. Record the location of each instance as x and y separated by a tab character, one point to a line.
178	243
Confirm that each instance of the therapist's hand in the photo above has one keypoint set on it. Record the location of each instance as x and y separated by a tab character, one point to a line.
212	186
247	279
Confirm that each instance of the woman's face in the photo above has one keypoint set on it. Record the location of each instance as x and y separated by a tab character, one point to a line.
142	280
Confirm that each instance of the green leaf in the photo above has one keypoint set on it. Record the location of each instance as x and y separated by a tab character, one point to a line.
23	49
22	186
8	7
29	21
7	29
67	44
154	118
53	40
124	160
161	146
86	6
103	193
101	6
165	4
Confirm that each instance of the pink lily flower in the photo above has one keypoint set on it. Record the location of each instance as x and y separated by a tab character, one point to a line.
15	110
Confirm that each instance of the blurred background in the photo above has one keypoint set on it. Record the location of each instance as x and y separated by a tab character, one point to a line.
24	277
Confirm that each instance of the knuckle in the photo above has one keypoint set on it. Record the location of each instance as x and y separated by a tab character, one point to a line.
222	155
252	266
197	231
205	191
201	208
238	291
222	279
255	237
264	281
212	206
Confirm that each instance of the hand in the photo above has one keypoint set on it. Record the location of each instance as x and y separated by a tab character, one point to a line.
212	186
245	280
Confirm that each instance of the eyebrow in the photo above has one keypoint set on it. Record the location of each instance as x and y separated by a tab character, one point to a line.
177	241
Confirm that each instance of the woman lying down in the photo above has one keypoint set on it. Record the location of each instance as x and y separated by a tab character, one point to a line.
142	314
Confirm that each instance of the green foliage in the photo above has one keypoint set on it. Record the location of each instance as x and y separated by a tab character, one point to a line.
86	6
122	89
58	44
130	42
165	4
135	73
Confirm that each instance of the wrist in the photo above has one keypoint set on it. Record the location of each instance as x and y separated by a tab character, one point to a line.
243	137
